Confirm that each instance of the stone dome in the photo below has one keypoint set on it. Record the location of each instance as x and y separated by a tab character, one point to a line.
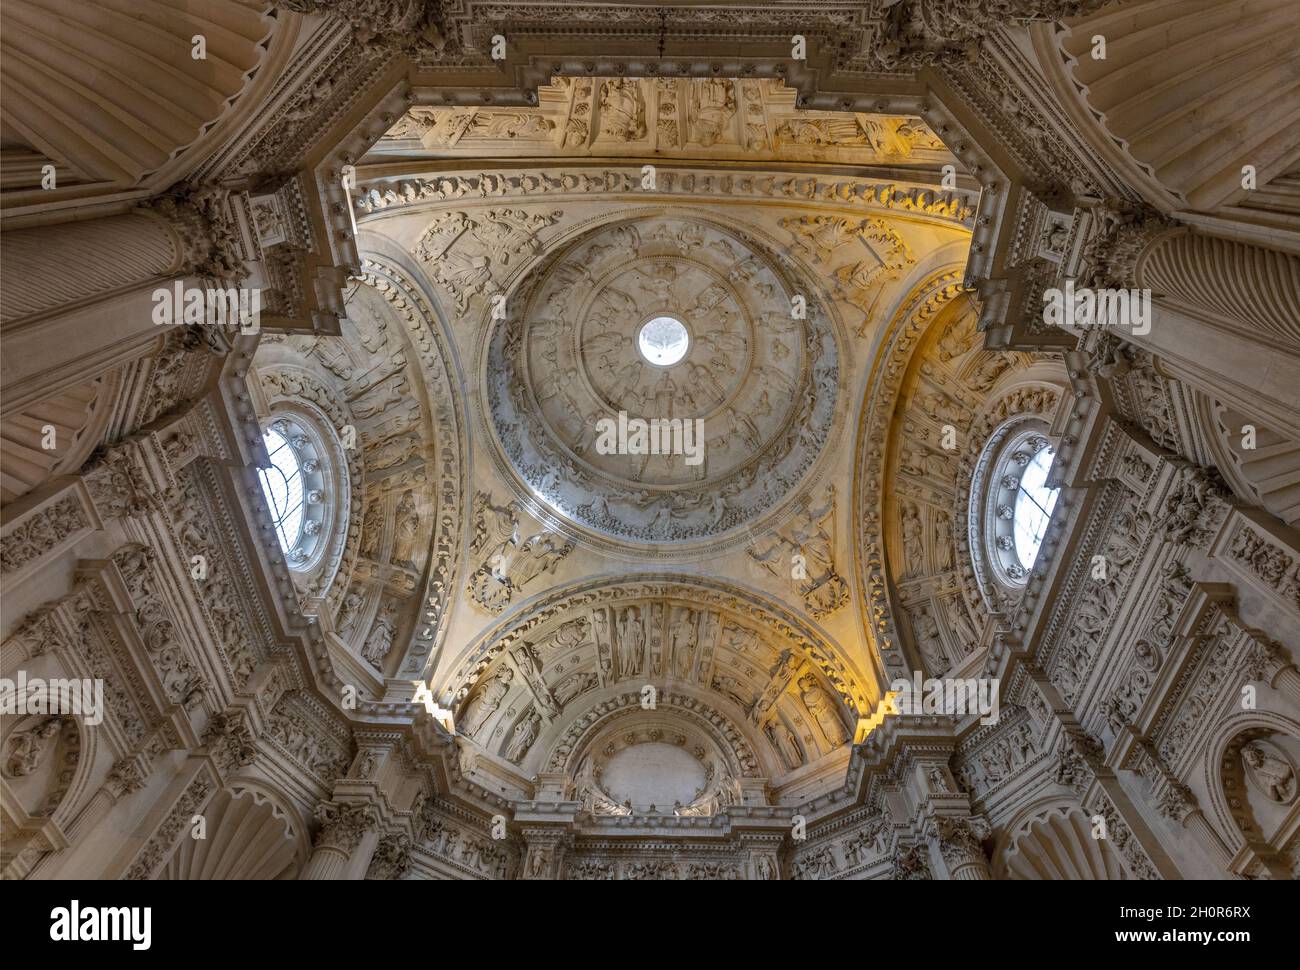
753	395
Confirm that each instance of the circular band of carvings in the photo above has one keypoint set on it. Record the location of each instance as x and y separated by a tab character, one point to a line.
587	728
692	504
907	327
784	626
423	330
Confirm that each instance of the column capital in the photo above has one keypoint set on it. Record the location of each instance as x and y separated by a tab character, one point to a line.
1120	232
920	32
207	240
407	26
343	824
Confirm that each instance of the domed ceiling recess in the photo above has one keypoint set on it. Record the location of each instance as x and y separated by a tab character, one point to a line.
760	376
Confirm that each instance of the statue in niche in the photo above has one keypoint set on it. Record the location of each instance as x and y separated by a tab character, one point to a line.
573	685
349	613
372	529
959	338
1269	772
600	629
631	643
378	399
524	736
407	531
821	133
959	622
731	687
570	634
713	105
380	641
665	393
928	642
537	867
622	110
913	547
656	639
784	743
822	709
486	703
530	667
943	541
682	641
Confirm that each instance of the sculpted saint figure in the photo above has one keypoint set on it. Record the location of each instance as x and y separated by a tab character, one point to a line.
822	709
682	640
380	640
524	736
482	707
407	527
631	643
784	743
714	105
622	111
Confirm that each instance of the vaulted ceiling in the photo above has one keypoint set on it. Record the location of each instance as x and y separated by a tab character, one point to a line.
544	238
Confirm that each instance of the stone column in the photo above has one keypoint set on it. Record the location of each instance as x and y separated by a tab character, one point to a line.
343	829
1268	663
1227	313
1177	803
55	267
1255	288
958	841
